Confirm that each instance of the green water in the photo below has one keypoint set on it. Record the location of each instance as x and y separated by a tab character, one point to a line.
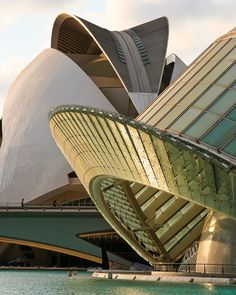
58	283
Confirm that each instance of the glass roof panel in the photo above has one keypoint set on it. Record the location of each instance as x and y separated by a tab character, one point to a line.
224	103
205	100
232	114
201	125
220	133
230	148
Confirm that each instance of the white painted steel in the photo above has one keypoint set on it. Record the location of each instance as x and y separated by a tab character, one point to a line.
179	66
141	100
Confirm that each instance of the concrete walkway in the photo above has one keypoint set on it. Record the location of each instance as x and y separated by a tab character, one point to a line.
164	277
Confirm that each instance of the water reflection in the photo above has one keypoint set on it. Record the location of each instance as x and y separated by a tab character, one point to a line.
130	290
210	287
58	283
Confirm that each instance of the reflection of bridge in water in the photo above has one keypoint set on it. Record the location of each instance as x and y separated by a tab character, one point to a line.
55	228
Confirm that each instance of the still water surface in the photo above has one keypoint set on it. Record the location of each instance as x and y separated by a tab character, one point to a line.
58	283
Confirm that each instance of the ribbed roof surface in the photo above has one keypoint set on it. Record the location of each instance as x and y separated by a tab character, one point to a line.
141	178
200	106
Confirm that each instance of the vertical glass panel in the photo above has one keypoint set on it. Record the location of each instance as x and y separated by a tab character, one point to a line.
221	132
230	148
201	125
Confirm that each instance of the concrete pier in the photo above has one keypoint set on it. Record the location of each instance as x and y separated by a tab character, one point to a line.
218	244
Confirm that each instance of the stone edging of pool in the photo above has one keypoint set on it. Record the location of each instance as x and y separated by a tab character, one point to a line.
164	277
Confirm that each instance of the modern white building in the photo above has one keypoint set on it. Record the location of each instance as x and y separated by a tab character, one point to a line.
166	179
87	65
120	72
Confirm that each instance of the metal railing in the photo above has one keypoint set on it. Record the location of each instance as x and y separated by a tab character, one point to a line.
219	269
6	207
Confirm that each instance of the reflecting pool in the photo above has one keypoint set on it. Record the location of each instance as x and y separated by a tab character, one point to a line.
19	282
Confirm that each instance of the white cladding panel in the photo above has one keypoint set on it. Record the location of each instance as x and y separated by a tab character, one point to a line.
30	162
142	100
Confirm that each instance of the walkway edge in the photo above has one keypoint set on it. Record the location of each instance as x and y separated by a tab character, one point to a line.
156	277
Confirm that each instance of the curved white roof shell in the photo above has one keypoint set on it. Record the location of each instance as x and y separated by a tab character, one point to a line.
137	55
30	163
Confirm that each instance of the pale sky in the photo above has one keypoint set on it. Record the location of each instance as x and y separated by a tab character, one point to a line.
25	25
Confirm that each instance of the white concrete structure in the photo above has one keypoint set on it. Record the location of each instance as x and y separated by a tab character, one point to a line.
87	65
30	163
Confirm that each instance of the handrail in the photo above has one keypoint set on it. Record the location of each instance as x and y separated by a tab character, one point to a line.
18	207
204	268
